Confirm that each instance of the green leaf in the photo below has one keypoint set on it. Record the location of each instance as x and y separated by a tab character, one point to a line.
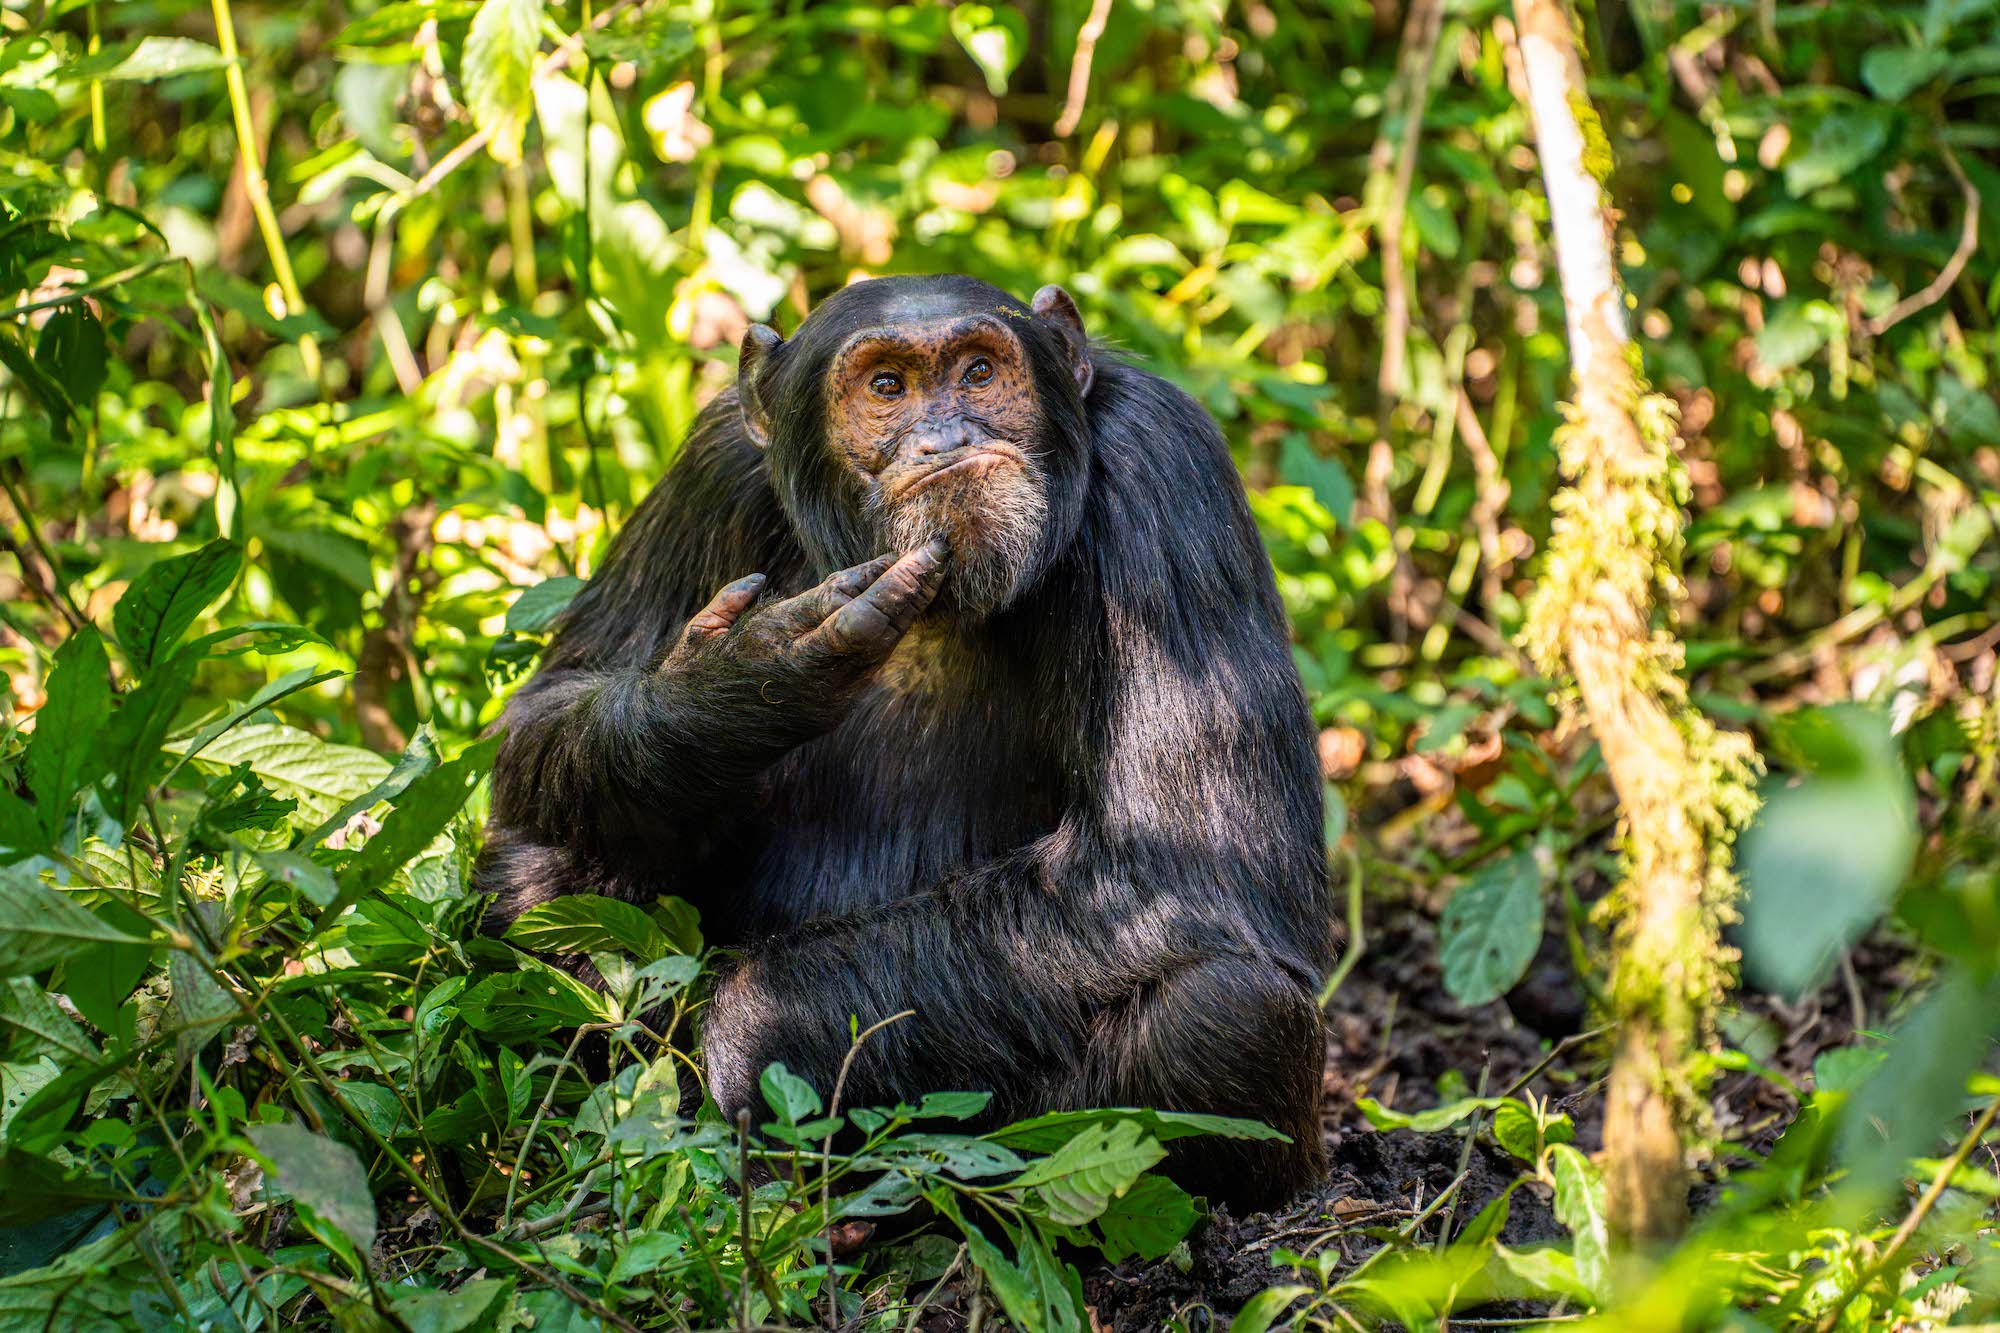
1425	1122
586	923
528	1003
788	1095
1826	855
72	351
267	694
1579	1206
537	608
1327	479
952	1105
498	70
324	1177
469	1308
1047	1133
1038	1293
425	811
1148	1220
163	601
306	875
1894	72
131	744
994	38
21	833
1491	929
28	373
319	776
1841	143
40	926
26	1010
67	727
1263	1309
417	759
145	60
1080	1179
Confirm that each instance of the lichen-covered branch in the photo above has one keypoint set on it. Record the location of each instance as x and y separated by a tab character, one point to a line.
1602	614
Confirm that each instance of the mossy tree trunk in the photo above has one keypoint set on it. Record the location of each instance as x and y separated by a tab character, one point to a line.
1602	612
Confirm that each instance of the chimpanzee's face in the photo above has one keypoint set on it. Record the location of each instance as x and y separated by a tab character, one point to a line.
907	408
940	423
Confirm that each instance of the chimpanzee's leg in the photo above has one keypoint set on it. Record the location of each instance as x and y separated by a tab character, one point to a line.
1231	1036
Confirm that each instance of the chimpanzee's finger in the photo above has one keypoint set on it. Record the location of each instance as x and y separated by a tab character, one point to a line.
807	610
873	622
723	609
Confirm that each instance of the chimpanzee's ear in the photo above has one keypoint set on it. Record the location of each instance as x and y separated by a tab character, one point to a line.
1054	304
752	367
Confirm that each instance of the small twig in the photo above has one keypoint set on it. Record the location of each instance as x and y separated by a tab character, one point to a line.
826	1158
48	587
1968	241
1357	942
1079	68
1569	1043
936	1287
1939	1182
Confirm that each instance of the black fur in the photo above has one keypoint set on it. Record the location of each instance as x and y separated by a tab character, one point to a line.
1082	838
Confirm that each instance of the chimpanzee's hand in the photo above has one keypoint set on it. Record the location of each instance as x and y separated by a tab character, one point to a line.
776	675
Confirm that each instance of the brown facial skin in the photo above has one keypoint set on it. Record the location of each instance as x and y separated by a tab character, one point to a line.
939	421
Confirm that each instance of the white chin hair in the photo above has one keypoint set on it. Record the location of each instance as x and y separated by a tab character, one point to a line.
994	531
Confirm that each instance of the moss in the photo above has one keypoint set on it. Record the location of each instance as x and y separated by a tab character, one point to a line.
1617	545
1597	158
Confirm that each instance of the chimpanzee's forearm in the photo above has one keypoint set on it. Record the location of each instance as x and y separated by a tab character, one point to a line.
618	765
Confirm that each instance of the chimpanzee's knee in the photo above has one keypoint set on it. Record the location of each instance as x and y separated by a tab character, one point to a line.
1234	1036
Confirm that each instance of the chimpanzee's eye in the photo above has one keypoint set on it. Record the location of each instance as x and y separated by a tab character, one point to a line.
887	383
980	371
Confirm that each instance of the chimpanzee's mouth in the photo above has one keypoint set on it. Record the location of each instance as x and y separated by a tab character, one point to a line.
978	462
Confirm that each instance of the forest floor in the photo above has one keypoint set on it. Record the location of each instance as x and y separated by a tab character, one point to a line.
1393	1034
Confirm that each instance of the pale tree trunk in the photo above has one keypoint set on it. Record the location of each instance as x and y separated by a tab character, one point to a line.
1601	608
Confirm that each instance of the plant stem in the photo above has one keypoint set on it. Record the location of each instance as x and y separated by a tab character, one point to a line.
1940	1181
255	186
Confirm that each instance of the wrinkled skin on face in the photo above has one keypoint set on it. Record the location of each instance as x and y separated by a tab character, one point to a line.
939	422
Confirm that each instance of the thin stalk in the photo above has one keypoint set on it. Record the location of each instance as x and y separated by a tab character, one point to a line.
254	183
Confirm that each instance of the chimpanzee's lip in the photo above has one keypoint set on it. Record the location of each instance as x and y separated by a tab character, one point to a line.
976	462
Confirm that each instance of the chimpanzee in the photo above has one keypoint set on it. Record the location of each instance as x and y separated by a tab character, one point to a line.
944	671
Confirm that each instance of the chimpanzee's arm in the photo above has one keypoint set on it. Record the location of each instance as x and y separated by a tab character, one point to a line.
1182	900
593	791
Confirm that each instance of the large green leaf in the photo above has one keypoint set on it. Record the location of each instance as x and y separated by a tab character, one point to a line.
537	608
417	759
1827	853
163	601
321	777
267	694
132	743
499	69
40	926
1047	1133
1081	1178
324	1176
67	727
1491	929
1840	144
587	923
1579	1202
145	60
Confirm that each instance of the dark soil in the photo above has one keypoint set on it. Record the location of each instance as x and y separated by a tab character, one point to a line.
1395	1035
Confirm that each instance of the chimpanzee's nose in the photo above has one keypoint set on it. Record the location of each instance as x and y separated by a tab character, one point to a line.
941	437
